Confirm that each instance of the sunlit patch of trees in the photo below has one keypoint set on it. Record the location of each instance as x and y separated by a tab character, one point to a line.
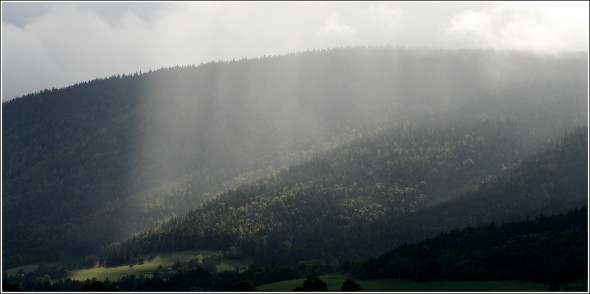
93	163
366	207
548	249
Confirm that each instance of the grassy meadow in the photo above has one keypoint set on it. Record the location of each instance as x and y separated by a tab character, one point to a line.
334	282
26	268
146	269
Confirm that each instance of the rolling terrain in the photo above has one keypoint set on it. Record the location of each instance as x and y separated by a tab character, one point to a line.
287	218
335	154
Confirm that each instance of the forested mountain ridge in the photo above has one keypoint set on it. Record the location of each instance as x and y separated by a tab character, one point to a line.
549	251
552	181
89	164
553	249
375	193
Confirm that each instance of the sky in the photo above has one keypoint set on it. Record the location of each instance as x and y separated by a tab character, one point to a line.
57	44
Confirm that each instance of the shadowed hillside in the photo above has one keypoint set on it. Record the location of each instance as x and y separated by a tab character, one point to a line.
361	198
90	164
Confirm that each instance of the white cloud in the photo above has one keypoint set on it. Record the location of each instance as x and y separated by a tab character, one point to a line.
334	26
69	45
383	15
535	26
30	75
476	26
65	43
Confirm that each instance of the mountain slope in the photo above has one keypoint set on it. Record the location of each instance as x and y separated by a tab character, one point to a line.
377	191
92	163
552	249
552	181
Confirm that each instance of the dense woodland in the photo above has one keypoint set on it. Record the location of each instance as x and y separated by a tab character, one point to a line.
287	218
552	181
328	155
550	249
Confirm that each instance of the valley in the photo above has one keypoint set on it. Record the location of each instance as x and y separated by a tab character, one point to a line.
365	163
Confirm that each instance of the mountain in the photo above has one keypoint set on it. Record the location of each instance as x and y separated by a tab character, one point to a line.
398	186
551	181
93	163
552	249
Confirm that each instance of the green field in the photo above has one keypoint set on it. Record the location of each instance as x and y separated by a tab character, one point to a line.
334	281
451	286
579	285
146	269
26	268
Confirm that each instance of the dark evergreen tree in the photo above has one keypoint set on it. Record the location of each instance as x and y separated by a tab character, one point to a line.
312	284
350	286
243	286
91	164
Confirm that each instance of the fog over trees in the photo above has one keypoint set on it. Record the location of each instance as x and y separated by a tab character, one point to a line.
380	132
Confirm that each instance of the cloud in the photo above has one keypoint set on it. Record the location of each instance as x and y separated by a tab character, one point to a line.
546	27
382	15
333	26
69	45
72	43
58	44
473	25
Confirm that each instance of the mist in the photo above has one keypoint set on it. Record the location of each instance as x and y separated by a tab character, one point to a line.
132	151
151	113
205	129
47	45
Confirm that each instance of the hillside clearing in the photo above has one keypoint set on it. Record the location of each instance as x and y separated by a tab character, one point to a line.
162	259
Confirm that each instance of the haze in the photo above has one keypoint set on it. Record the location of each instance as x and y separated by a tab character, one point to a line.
46	45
